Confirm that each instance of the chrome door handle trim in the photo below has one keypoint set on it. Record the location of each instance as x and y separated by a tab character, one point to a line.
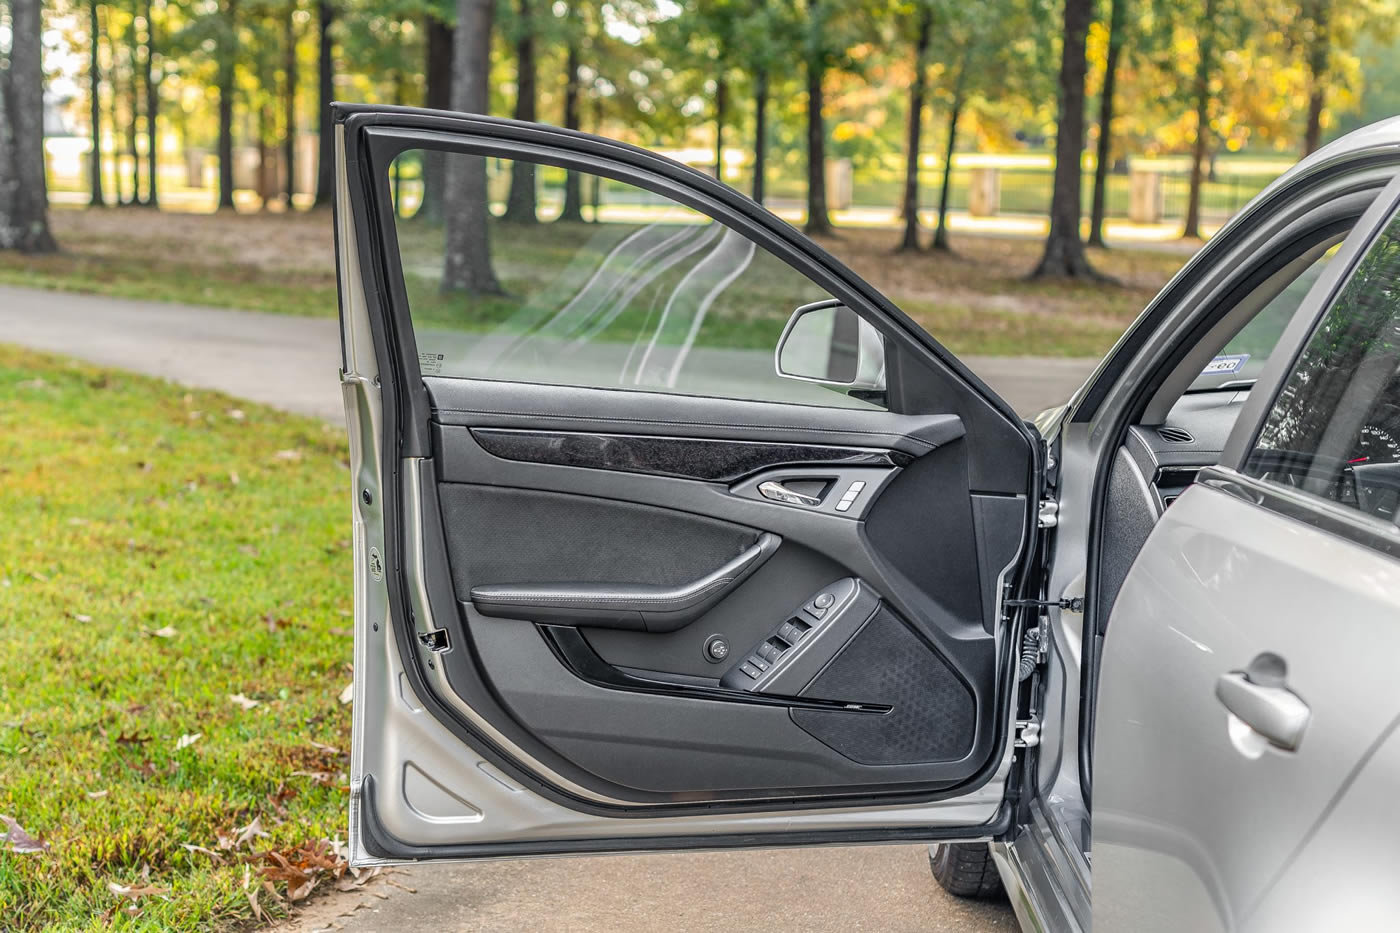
1275	712
780	493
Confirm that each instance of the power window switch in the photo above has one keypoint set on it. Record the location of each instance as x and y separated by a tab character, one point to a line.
750	670
758	662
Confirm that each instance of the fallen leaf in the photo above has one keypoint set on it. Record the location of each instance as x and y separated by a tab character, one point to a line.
134	891
80	617
233	477
96	794
236	414
248	833
328	749
134	738
287	455
167	631
348	693
191	847
188	739
18	840
240	700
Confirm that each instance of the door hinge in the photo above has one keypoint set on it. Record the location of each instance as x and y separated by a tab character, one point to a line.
1027	733
1049	515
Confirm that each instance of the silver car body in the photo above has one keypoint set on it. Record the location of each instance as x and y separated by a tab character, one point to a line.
1196	825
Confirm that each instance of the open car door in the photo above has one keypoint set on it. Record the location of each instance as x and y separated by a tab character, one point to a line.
626	579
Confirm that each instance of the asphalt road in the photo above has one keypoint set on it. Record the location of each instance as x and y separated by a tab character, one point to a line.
291	363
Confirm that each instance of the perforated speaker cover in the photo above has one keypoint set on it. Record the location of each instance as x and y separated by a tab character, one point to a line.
934	714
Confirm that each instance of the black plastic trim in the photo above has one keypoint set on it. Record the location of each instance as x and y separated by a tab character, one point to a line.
575	653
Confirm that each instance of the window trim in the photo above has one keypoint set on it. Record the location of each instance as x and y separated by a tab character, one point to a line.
1333	518
1306	320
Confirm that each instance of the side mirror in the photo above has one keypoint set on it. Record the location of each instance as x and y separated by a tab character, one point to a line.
827	342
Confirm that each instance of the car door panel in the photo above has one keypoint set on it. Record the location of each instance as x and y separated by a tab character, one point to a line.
1222	818
551	564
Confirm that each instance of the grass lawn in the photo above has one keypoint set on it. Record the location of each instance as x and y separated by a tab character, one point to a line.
976	301
175	601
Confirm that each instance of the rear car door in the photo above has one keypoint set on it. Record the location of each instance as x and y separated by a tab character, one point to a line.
625	579
1247	704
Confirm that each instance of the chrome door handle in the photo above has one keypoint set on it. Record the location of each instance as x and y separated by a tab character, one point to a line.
780	493
1269	708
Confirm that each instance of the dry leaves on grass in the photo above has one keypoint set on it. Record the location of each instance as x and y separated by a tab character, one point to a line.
239	699
188	739
17	840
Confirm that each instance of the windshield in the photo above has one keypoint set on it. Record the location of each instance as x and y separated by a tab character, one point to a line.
1243	358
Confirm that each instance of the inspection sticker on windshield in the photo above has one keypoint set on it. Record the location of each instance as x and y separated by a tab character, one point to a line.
1223	365
430	364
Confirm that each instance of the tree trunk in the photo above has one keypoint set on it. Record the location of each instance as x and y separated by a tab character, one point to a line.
595	182
1199	147
940	232
573	191
289	104
467	259
225	144
818	220
152	113
910	205
1064	248
760	131
520	201
1117	23
325	145
95	114
721	100
1318	63
24	199
134	114
437	96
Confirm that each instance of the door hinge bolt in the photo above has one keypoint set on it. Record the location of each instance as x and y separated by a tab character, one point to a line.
1049	515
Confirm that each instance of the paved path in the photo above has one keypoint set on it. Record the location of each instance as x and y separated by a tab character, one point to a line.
291	363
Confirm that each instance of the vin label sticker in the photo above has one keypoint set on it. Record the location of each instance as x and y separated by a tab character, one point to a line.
1220	366
430	364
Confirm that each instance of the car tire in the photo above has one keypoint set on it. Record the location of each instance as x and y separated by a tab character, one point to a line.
965	869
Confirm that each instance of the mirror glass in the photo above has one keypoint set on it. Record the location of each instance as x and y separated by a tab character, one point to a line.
829	343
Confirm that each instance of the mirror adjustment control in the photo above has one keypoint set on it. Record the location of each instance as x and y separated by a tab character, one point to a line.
823	600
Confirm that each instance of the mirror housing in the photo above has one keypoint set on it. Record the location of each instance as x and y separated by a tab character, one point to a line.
828	343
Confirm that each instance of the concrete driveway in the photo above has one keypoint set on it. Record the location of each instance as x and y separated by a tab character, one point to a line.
291	363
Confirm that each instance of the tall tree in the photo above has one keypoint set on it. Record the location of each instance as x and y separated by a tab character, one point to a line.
573	190
918	88
289	103
520	200
227	51
467	256
152	82
24	199
955	110
1117	26
133	107
814	64
437	95
1317	17
760	130
325	155
95	106
1064	248
1205	68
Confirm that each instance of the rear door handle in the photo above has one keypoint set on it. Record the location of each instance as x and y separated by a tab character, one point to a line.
1258	698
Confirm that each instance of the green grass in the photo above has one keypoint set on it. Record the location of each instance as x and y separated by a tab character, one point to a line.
162	550
975	301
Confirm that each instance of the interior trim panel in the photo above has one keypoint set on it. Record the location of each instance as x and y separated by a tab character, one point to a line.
709	459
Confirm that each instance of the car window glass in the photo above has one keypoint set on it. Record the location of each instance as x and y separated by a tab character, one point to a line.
1334	430
590	281
1244	356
